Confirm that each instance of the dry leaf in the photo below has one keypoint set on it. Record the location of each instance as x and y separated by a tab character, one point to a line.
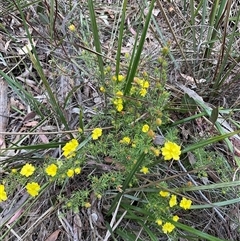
29	116
43	138
191	158
53	236
15	216
31	124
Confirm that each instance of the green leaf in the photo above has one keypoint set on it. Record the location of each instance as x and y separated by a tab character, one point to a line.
196	232
209	141
214	115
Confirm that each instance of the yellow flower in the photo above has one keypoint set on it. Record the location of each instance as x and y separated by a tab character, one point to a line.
125	140
171	151
70	148
175	218
159	222
144	170
173	201
145	128
120	78
185	203
70	173
72	28
51	170
114	78
168	227
27	170
33	188
117	101
99	196
87	205
78	170
139	81
126	55
119	107
14	170
107	69
145	84
164	193
96	133
3	194
119	93
69	204
102	89
143	92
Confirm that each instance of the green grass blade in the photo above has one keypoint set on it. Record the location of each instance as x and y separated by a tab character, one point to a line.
120	36
37	65
196	232
217	204
25	95
209	141
148	231
208	187
96	38
111	231
133	67
127	181
218	81
126	236
193	25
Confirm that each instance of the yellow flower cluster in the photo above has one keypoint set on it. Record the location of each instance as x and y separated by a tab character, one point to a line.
167	227
119	78
142	86
28	169
118	101
51	170
184	203
70	148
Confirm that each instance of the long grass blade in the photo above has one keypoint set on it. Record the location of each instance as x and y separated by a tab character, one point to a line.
96	38
133	66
